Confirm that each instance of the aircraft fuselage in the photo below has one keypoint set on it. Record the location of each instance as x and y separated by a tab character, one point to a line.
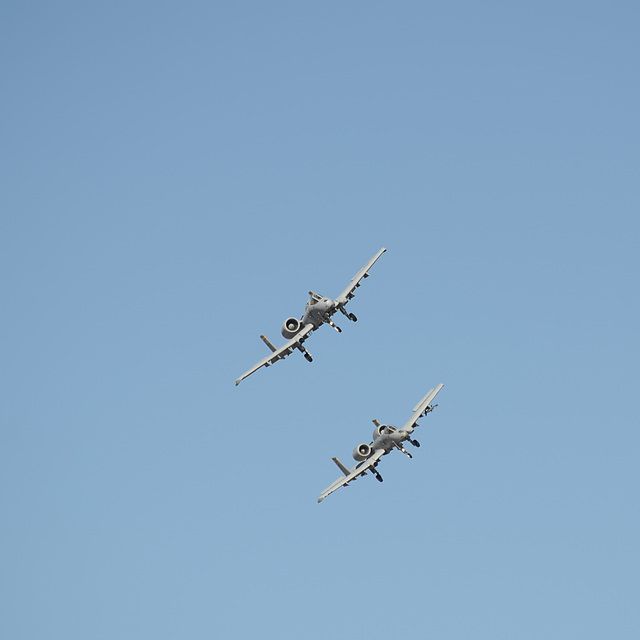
317	310
388	441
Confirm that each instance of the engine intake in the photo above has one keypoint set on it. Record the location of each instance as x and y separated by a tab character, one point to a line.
378	431
290	328
361	452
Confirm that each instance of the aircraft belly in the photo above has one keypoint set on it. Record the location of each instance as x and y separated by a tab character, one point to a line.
312	317
380	442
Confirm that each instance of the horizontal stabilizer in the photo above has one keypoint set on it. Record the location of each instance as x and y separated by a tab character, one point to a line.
341	466
268	343
280	353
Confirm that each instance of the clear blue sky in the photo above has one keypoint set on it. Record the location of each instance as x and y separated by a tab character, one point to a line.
176	176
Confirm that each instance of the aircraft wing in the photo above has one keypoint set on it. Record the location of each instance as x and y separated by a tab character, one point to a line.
359	470
349	292
281	353
420	408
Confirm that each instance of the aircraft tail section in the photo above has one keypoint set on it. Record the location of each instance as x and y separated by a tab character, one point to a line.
268	343
341	466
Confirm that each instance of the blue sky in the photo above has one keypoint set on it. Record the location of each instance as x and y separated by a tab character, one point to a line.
175	177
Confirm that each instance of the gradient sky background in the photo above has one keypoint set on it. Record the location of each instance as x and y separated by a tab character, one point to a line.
175	177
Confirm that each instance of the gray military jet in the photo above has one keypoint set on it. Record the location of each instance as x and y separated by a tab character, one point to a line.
385	438
318	310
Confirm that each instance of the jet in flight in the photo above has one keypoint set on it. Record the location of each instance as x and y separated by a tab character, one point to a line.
318	311
385	438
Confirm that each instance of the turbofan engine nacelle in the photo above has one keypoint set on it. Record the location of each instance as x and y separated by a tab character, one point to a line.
378	431
290	328
361	452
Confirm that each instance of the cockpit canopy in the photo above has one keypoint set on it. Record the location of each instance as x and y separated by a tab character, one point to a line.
383	429
314	298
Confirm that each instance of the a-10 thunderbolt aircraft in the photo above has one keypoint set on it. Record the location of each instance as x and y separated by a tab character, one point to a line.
318	310
385	438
